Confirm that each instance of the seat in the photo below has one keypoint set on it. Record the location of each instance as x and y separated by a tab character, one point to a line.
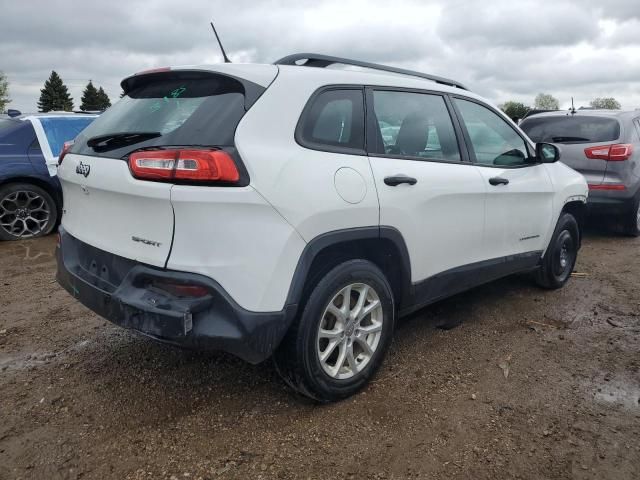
413	135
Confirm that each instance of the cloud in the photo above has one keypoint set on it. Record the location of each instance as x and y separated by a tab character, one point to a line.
501	49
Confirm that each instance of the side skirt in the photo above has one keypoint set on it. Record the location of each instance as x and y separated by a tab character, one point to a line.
463	278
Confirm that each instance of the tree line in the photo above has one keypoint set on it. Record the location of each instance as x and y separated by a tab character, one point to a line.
545	101
54	96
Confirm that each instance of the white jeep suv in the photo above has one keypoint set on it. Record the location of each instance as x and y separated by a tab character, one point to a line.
296	212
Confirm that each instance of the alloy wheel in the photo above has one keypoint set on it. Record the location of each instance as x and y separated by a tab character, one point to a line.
350	331
24	213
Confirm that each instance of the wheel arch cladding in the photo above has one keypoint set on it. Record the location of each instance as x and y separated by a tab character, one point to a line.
383	246
579	211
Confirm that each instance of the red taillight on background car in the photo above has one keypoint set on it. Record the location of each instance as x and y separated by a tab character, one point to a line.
607	186
65	149
198	166
611	153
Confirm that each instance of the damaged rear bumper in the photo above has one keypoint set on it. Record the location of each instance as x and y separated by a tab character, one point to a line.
125	292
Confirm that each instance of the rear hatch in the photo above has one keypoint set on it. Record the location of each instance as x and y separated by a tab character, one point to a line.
574	134
162	114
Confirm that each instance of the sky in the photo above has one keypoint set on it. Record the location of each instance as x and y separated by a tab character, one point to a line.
500	49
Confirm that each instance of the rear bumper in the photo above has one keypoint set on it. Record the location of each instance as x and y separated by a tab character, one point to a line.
118	289
612	202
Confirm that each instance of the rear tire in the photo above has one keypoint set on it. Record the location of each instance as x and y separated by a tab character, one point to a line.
340	339
26	211
561	255
632	219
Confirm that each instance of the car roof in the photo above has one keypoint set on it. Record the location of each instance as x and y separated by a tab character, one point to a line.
263	75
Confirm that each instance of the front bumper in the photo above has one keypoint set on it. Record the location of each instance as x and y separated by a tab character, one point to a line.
119	290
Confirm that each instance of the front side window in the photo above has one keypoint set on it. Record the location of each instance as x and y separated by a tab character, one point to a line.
334	121
414	125
493	140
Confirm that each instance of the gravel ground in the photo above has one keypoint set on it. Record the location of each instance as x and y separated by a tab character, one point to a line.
530	384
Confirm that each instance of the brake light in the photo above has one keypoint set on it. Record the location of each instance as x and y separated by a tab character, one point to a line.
199	166
65	149
611	153
607	186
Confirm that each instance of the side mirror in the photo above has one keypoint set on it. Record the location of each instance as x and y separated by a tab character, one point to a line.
547	153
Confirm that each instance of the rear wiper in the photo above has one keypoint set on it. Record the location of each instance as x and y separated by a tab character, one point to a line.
108	141
569	139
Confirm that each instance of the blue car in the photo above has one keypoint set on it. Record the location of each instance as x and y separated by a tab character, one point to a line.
30	193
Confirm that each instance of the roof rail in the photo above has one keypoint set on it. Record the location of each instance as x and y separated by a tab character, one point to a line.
321	61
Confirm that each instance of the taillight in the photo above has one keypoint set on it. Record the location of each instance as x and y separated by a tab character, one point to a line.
607	186
612	153
199	166
65	149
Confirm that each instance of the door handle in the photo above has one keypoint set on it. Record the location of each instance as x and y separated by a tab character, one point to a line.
398	179
498	181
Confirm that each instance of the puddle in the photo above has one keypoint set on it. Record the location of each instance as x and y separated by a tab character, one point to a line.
619	393
37	250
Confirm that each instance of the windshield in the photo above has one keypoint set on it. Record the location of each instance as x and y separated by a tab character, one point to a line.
571	129
63	129
176	109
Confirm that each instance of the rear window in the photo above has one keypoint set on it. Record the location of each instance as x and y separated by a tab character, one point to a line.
173	109
63	129
571	129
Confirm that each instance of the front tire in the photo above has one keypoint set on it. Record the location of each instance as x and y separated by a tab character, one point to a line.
561	255
341	338
26	211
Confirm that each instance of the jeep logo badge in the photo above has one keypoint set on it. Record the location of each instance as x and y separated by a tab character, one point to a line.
83	169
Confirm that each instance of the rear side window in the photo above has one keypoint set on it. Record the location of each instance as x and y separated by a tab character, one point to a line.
334	121
63	129
173	109
571	129
413	125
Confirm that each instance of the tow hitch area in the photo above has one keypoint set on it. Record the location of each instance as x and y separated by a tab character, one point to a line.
161	308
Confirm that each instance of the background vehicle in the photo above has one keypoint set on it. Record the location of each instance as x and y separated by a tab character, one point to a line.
262	209
30	194
603	145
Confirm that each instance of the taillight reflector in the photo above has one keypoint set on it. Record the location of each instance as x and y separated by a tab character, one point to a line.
184	165
65	149
607	186
612	153
181	290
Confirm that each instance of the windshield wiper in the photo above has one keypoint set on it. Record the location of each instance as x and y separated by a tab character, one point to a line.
108	141
569	139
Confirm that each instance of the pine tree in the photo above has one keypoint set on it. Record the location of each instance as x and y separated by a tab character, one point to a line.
4	92
55	95
90	98
104	101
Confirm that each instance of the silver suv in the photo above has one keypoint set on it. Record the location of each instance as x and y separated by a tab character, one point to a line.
603	145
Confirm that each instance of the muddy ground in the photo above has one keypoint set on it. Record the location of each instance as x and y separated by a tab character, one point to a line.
532	384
